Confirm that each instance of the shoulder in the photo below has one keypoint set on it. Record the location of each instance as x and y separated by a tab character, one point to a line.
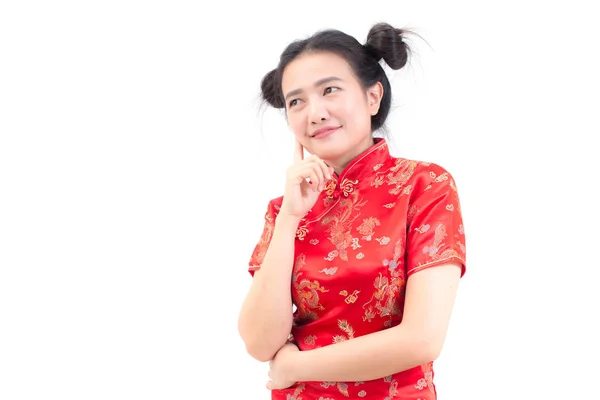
431	172
273	207
420	171
421	176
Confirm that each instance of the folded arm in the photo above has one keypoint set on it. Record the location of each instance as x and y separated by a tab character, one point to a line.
430	295
265	320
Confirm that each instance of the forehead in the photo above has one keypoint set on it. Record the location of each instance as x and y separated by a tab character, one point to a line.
308	68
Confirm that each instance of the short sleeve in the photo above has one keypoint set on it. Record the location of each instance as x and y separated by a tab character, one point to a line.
258	254
435	231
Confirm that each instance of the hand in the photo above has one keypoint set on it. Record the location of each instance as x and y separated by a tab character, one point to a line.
300	196
281	366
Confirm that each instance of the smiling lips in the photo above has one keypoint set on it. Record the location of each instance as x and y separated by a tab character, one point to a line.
324	132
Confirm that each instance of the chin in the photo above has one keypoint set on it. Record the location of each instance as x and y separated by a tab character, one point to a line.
327	153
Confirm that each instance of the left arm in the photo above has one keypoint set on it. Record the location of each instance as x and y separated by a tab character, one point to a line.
430	296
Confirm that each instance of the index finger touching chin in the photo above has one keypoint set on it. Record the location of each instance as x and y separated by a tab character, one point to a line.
298	152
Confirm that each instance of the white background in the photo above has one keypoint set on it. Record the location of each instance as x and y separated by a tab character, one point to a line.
136	165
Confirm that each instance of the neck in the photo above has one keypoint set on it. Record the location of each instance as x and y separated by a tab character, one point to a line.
341	164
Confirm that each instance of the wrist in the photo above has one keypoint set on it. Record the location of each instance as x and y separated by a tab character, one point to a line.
286	221
299	366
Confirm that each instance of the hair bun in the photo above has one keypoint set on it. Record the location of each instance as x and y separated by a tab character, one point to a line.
271	89
385	41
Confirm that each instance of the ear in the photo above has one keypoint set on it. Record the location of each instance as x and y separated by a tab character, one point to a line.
374	96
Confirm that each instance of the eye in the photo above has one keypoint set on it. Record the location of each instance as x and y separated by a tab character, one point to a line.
331	89
293	103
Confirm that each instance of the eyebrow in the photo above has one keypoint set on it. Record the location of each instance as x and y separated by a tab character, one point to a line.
317	84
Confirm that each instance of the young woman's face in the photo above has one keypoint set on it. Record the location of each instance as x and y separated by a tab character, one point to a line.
327	109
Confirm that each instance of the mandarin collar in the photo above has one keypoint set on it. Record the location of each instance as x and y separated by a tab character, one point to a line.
339	188
360	168
342	187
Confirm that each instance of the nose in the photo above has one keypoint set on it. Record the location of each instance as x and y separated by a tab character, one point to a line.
317	111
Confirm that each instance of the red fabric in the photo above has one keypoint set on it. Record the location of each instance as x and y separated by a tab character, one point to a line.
380	221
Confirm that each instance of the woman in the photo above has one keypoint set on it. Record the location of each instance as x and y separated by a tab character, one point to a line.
368	247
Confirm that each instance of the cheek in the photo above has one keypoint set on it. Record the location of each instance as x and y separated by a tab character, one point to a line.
297	125
357	114
351	108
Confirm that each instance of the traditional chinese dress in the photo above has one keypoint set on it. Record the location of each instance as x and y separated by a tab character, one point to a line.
381	220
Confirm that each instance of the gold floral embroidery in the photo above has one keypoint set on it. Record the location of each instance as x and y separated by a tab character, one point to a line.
330	187
332	254
310	340
346	328
441	178
329	271
341	386
347	186
397	176
307	292
340	223
367	227
369	314
329	191
400	174
299	389
438	241
455	195
423	228
383	240
355	244
301	232
393	390
421	384
387	290
445	176
352	298
265	240
427	380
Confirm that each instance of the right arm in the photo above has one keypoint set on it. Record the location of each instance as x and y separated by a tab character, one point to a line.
265	320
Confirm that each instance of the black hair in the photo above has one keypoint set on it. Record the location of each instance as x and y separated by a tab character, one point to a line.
383	42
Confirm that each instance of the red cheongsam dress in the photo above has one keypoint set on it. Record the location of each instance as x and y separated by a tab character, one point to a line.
381	220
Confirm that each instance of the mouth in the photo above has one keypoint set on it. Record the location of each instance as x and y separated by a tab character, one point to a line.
324	132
